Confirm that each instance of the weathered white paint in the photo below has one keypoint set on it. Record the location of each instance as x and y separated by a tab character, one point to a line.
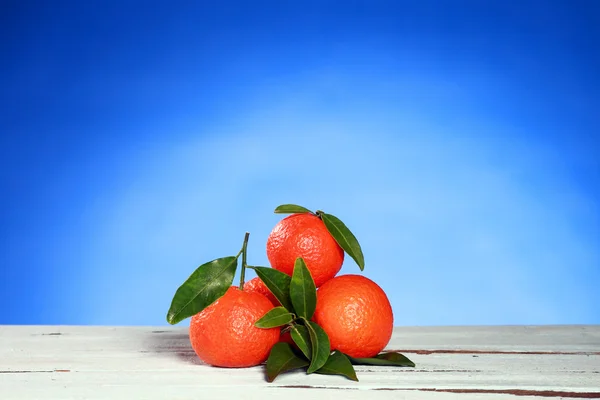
68	362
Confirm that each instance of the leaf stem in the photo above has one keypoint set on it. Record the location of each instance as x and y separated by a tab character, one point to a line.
244	251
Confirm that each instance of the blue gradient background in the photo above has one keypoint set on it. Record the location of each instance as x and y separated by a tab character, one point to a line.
459	140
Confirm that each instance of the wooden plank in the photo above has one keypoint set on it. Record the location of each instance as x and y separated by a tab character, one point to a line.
71	362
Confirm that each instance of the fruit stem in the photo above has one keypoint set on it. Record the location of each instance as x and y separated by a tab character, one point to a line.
243	273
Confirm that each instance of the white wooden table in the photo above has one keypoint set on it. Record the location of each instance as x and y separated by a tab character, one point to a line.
518	362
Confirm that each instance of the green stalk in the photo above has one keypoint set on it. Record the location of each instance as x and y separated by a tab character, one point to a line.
244	265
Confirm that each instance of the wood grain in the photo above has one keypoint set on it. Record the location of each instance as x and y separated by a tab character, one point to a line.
519	362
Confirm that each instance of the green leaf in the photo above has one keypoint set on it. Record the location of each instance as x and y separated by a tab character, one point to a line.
291	209
301	337
319	346
389	359
278	283
206	284
302	290
338	364
281	359
344	237
277	316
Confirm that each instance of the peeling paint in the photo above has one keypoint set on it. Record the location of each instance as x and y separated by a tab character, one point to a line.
520	392
513	392
449	351
33	371
313	387
24	372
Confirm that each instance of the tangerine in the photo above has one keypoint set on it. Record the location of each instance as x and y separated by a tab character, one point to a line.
356	314
256	285
224	335
305	235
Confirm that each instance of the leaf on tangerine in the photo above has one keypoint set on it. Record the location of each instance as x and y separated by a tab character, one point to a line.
275	317
203	287
282	359
344	237
300	336
338	364
278	283
303	291
291	209
389	359
319	343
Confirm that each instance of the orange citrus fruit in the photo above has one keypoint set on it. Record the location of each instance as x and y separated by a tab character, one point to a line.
224	335
356	314
305	235
256	285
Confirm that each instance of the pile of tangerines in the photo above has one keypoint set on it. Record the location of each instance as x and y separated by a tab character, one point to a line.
295	314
